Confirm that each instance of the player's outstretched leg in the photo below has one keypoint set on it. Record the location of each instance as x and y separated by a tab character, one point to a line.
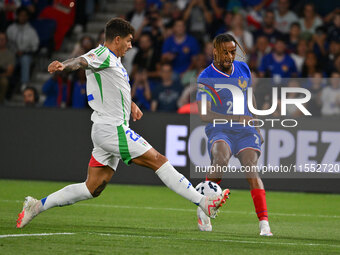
96	181
179	184
220	155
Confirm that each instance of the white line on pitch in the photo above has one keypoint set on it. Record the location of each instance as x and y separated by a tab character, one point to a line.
193	210
216	240
37	234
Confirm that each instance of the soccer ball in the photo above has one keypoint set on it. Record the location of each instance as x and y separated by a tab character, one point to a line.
209	188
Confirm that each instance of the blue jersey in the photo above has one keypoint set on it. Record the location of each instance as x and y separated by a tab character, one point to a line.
222	100
237	136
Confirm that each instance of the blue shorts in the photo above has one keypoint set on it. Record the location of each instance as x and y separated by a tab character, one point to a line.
238	140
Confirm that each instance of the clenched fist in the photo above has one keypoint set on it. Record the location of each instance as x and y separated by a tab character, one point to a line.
55	66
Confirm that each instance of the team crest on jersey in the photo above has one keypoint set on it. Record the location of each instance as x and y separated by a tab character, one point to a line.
285	68
91	56
242	83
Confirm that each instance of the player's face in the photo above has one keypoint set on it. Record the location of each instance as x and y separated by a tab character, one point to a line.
125	44
226	57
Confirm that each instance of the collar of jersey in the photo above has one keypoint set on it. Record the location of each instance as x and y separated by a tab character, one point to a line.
227	75
109	50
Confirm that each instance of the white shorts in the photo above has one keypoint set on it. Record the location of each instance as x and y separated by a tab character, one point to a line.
111	143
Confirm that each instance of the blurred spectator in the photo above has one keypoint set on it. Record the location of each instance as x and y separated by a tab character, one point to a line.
7	12
334	30
152	24
187	102
300	55
181	4
227	20
278	64
336	64
198	65
30	96
79	96
292	109
167	12
58	91
208	52
310	20
23	41
141	93
100	38
293	37
311	65
334	50
147	57
84	11
284	17
268	28
180	48
137	14
244	37
7	62
261	49
167	92
63	12
85	44
330	96
314	104
319	43
199	18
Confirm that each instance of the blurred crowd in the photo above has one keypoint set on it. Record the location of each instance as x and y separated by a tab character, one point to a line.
282	40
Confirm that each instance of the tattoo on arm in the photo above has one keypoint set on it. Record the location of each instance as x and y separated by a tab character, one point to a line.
75	64
99	189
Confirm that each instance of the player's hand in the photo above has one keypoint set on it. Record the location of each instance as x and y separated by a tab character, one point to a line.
55	66
136	113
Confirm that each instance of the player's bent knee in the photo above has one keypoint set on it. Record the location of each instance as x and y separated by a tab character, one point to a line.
220	159
249	162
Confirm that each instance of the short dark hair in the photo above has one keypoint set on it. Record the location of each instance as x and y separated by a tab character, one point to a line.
22	9
35	92
117	27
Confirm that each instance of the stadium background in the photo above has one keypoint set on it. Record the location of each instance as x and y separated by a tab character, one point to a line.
52	128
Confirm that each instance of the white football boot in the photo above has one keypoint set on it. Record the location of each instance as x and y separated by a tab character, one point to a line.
29	211
264	228
210	205
203	221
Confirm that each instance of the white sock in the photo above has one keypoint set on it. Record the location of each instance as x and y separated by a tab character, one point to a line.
66	196
178	183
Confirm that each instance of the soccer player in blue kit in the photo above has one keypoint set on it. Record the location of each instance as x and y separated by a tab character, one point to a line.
242	141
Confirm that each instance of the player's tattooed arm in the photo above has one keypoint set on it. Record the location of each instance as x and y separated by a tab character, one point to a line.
68	65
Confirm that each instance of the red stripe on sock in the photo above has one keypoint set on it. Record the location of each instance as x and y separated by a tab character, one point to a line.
259	199
93	162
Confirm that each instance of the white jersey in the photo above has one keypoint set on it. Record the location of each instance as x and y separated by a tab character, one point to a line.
108	87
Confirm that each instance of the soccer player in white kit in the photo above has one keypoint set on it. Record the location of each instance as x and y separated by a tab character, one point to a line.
108	92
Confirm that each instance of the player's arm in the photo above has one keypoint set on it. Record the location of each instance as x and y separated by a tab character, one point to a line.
69	65
211	115
255	117
136	113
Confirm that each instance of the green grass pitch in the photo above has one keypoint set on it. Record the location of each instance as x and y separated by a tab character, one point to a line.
129	219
